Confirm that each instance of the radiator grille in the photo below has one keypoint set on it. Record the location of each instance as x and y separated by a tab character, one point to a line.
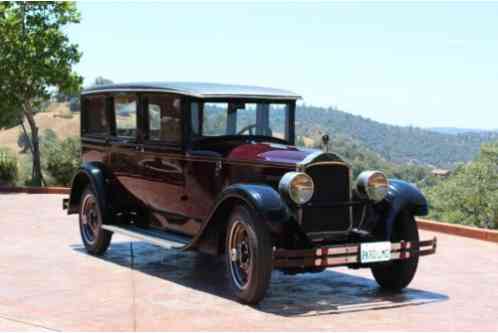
332	185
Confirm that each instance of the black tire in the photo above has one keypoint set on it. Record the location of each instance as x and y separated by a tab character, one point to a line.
95	239
250	266
397	274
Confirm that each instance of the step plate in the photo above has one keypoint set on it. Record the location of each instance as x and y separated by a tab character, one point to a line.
162	239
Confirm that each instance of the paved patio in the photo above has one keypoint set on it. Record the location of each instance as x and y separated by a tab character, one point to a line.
48	282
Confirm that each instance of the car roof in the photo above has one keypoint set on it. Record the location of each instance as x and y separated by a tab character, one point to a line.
196	89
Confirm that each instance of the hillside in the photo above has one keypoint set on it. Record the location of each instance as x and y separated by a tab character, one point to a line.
394	143
457	130
57	117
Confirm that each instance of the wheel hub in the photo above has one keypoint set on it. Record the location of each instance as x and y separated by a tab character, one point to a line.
240	254
90	219
243	255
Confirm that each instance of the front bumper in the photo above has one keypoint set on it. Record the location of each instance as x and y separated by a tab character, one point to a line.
346	254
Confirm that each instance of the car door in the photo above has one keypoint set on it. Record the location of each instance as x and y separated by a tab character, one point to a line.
162	163
124	148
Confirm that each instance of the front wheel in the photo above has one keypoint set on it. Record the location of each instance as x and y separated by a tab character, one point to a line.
397	274
249	256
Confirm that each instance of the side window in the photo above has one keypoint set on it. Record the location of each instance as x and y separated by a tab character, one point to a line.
125	110
165	118
95	120
214	120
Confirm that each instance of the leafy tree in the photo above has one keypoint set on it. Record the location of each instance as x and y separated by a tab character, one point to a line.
100	81
35	57
470	195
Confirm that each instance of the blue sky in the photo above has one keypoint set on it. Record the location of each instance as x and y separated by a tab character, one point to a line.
422	64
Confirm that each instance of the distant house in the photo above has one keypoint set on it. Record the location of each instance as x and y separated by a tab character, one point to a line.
441	172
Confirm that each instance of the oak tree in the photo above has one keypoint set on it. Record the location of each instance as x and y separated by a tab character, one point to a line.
36	58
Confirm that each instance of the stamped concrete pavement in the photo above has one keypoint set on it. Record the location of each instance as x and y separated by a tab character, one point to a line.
48	282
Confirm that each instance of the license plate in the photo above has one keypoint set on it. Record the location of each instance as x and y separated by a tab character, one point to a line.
375	252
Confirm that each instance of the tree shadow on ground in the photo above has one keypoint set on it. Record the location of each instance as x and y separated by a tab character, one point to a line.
298	295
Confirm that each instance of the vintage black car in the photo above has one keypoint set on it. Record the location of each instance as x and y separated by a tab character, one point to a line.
214	168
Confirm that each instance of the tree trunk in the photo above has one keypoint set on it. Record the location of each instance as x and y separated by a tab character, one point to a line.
37	172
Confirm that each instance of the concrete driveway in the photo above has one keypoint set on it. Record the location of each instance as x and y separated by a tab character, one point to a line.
48	282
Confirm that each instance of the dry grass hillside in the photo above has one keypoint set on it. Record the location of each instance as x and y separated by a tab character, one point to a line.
57	117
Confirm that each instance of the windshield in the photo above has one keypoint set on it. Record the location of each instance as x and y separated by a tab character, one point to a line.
211	119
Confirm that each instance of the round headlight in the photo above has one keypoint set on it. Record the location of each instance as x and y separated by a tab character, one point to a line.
372	185
296	186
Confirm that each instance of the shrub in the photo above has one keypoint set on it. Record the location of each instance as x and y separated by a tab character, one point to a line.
25	170
48	137
74	104
23	142
62	159
8	166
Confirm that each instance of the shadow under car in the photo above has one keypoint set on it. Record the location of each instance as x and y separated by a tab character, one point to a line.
305	294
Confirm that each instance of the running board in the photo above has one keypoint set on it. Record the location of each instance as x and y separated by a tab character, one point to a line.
160	238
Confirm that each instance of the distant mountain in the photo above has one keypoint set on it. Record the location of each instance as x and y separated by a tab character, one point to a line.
397	144
456	130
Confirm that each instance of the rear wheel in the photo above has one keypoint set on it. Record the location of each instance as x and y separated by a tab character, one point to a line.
397	274
249	256
95	239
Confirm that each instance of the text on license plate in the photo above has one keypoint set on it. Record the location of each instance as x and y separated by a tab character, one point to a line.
374	252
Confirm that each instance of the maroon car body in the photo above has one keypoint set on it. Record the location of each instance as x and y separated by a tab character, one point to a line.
214	168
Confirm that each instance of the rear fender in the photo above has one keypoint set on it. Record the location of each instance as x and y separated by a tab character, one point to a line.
93	174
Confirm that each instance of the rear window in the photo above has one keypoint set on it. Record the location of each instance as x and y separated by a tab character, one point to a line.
95	116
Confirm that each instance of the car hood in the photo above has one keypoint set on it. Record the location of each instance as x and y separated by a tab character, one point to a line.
269	152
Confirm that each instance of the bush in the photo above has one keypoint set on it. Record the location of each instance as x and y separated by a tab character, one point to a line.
8	166
48	137
25	170
74	104
23	142
62	159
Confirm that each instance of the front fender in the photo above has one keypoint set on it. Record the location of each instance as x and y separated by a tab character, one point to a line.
264	201
403	196
93	174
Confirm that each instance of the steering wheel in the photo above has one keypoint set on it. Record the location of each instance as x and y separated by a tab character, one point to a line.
249	128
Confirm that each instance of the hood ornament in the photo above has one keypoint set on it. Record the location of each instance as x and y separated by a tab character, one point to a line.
325	142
